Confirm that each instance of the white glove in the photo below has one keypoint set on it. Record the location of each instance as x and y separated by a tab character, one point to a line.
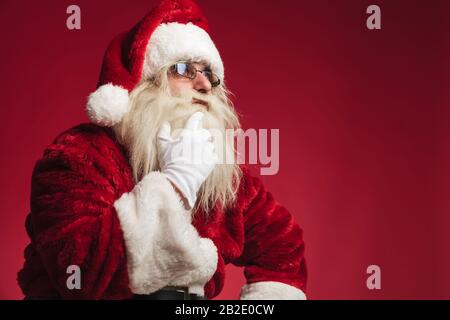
189	159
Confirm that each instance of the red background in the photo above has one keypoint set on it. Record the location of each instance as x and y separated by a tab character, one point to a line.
363	118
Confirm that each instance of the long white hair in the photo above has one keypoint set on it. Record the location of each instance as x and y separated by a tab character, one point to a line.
151	103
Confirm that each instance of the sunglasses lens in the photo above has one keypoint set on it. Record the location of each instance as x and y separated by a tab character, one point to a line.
181	69
189	71
215	81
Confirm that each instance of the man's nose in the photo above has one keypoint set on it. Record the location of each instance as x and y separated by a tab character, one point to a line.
202	84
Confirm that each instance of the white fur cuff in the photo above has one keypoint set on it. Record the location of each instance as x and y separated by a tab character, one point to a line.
163	247
271	290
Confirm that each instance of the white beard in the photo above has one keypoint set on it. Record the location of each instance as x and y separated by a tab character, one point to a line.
150	107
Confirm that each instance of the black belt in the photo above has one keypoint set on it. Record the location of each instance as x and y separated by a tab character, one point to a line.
169	293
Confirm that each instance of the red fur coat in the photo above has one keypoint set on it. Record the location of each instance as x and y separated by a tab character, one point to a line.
74	221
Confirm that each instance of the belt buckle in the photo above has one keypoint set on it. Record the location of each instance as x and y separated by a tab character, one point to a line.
185	291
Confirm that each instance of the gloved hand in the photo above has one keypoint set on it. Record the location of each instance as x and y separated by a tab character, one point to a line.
187	160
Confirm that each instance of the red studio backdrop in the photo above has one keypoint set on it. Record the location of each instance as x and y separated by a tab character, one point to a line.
363	117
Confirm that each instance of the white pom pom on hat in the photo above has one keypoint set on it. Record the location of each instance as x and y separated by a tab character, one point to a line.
107	105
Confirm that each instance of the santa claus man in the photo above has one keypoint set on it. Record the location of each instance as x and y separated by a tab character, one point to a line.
139	200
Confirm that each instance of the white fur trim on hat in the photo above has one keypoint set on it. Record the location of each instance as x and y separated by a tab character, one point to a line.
107	105
271	290
172	42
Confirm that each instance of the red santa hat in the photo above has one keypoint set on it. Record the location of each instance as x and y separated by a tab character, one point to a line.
174	30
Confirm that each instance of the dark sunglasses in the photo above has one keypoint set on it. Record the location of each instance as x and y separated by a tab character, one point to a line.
187	70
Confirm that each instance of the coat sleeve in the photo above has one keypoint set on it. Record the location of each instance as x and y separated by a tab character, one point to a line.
273	254
73	220
124	238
